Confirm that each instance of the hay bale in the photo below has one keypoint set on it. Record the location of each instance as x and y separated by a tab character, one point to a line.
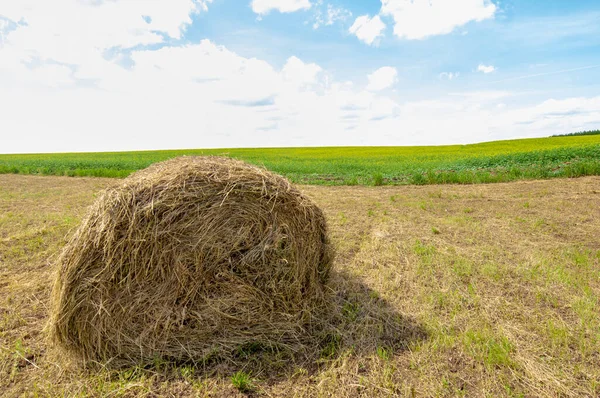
186	257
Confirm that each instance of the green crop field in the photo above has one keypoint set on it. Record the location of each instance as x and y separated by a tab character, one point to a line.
499	161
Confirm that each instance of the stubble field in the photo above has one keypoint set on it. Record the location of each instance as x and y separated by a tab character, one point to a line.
437	290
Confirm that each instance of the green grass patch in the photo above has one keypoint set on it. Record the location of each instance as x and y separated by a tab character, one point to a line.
242	381
483	345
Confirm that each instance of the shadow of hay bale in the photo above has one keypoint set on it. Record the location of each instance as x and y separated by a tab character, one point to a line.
357	322
365	321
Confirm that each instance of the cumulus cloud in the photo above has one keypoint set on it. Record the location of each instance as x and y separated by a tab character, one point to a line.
368	29
197	95
486	68
418	19
102	24
382	78
262	7
300	73
79	33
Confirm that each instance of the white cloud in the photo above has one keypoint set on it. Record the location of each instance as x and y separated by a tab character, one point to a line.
483	96
555	116
3	26
480	116
299	73
108	23
200	95
73	32
336	14
368	29
262	7
60	91
330	15
382	78
449	75
486	68
418	19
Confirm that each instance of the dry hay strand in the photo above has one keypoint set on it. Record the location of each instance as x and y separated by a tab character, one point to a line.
188	257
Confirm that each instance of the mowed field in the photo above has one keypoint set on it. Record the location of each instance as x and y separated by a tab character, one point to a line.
499	161
439	290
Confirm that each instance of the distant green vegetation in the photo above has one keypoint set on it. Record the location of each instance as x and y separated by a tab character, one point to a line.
590	132
499	161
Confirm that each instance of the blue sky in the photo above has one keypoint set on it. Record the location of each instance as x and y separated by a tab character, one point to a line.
524	38
82	75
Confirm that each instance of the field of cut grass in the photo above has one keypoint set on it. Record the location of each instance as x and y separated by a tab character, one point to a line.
488	290
499	161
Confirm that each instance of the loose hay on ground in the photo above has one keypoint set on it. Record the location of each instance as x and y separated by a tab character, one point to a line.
188	257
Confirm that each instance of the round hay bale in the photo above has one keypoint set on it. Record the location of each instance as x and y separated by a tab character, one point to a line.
189	256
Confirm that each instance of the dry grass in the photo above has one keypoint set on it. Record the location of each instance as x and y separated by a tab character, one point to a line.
188	259
485	290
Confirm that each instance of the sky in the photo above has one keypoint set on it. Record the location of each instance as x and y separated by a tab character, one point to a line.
115	75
